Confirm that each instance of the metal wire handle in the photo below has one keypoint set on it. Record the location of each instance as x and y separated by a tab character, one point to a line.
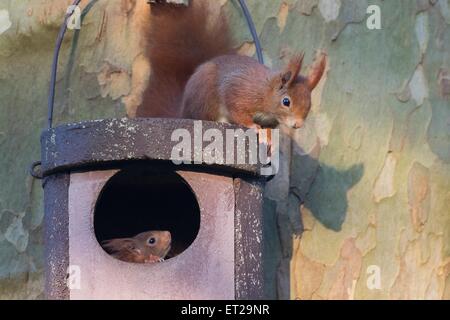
252	28
34	171
59	40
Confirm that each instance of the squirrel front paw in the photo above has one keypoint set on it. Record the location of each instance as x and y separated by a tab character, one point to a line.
153	259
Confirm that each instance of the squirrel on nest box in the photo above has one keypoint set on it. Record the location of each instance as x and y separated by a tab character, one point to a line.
196	74
146	247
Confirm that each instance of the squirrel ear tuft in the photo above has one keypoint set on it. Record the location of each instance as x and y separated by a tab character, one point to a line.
286	77
292	70
317	69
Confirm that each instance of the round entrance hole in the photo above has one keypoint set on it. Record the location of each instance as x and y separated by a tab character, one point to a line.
137	200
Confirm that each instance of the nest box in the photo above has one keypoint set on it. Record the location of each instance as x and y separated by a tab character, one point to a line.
109	179
115	178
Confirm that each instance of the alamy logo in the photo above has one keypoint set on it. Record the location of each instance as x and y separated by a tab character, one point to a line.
238	146
374	20
74	20
374	277
74	277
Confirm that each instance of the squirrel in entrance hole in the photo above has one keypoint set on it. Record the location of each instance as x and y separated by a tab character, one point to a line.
196	74
146	247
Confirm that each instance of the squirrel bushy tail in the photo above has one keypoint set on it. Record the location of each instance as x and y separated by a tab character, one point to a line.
178	41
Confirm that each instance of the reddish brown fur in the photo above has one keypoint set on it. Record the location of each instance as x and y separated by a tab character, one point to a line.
226	87
138	249
236	87
178	42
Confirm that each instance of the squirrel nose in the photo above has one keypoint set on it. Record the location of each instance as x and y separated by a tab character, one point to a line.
297	125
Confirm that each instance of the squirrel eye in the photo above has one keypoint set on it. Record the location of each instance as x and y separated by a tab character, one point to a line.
151	241
286	102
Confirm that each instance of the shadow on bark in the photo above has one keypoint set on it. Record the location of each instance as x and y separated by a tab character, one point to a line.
304	182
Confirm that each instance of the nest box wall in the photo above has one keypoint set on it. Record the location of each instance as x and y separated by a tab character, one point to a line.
224	260
204	271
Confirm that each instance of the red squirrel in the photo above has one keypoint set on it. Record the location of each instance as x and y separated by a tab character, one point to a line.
196	74
146	247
